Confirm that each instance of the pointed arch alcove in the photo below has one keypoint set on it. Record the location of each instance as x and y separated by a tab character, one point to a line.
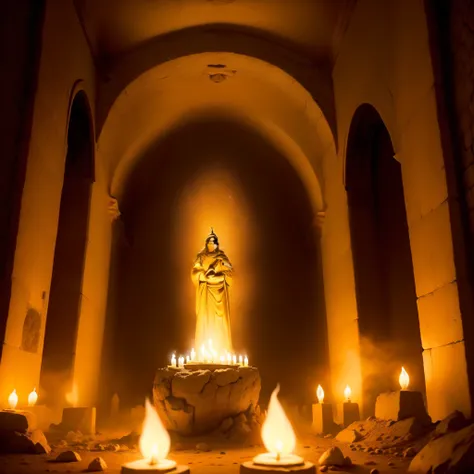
384	279
69	255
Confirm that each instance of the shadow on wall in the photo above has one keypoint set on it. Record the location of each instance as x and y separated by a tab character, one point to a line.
222	172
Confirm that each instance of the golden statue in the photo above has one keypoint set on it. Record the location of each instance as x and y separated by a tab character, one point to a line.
212	276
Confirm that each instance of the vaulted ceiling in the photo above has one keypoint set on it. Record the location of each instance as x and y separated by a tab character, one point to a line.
312	28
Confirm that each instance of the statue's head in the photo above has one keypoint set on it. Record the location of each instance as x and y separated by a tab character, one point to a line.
212	242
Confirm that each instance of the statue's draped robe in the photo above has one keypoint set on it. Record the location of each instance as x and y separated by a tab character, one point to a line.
212	301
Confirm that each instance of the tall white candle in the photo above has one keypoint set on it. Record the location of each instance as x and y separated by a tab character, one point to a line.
246	361
173	360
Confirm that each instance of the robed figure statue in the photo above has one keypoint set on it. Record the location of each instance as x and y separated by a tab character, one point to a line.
212	276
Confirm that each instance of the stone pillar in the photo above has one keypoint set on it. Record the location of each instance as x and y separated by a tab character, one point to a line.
19	54
431	239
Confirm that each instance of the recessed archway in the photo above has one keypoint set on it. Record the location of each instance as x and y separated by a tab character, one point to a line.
69	257
264	219
385	286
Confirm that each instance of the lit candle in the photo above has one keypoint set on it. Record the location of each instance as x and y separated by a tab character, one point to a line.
173	360
187	359
348	393
404	379
222	359
246	361
278	437
13	400
181	362
32	398
241	360
154	445
229	358
193	354
320	394
234	359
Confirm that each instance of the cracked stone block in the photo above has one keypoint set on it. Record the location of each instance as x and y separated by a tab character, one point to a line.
192	402
400	405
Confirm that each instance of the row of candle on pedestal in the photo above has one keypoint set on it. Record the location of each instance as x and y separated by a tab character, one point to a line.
227	359
403	379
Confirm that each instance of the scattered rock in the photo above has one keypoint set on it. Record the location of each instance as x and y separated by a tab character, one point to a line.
328	436
68	456
374	471
349	436
453	452
323	469
332	457
40	442
203	447
391	463
370	463
347	461
454	422
98	464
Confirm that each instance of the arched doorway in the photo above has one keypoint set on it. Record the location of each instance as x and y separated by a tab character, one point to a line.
385	285
69	256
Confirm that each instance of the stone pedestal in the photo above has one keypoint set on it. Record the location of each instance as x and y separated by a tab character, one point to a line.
79	419
347	413
195	401
323	422
252	468
400	405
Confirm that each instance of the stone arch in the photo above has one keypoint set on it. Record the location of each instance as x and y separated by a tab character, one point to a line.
218	38
65	300
157	90
383	268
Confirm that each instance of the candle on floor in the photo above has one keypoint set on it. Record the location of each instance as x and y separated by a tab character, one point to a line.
348	411
246	361
280	441
154	446
323	422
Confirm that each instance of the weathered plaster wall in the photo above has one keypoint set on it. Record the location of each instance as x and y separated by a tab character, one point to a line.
60	74
385	61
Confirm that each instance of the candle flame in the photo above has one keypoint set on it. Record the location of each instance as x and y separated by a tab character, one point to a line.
13	400
73	396
404	379
277	433
320	394
347	393
154	440
32	398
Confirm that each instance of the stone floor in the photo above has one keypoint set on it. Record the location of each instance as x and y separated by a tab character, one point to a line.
222	459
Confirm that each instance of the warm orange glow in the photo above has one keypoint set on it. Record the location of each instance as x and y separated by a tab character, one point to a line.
277	433
13	400
404	379
154	440
73	396
32	398
348	393
320	394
